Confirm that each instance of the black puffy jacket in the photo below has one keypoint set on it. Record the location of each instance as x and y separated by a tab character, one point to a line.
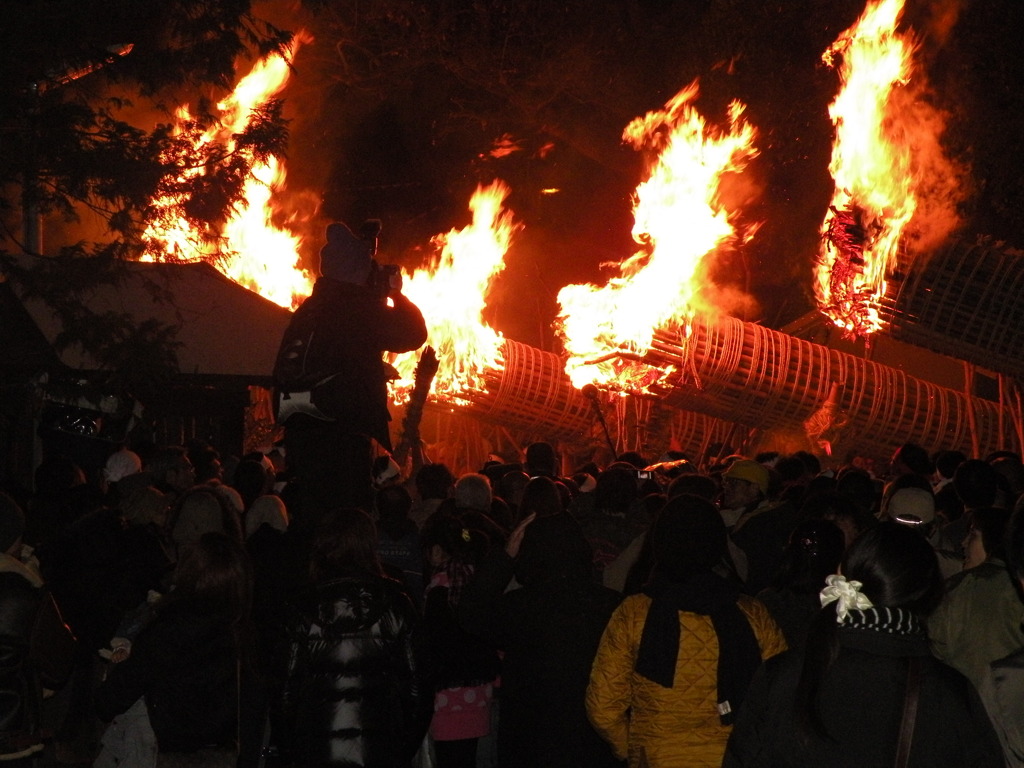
353	692
20	689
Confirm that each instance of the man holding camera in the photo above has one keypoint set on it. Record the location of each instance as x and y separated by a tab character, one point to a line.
330	373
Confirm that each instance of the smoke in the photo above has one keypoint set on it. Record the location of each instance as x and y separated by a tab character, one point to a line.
726	300
942	184
942	17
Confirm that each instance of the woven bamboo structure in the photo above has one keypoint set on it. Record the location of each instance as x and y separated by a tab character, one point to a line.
661	426
965	301
745	373
707	439
530	392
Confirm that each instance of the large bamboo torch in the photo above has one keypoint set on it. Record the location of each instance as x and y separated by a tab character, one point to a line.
963	301
529	391
750	374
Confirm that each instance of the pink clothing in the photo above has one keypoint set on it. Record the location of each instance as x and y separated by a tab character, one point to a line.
462	713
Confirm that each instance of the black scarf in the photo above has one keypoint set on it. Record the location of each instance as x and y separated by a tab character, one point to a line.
706	594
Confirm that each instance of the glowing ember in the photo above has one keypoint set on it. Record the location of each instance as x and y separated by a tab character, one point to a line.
679	220
252	251
871	165
452	293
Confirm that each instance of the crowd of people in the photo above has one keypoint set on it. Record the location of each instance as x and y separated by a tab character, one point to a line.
334	604
656	611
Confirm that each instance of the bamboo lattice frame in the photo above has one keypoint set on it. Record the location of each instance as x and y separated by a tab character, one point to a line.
531	392
965	301
745	373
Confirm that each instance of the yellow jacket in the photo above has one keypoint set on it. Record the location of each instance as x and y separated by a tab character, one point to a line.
658	727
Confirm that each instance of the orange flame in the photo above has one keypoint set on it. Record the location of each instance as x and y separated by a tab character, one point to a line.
452	294
254	251
678	220
871	165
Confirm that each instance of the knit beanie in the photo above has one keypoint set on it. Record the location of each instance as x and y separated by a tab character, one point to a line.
345	257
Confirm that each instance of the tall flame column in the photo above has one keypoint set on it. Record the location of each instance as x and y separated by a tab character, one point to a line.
749	374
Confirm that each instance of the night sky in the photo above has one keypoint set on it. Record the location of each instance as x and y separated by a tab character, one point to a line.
397	104
406	133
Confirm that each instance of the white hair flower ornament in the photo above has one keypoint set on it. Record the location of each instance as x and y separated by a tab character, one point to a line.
847	593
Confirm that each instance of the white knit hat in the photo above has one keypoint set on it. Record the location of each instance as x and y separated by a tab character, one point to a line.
120	464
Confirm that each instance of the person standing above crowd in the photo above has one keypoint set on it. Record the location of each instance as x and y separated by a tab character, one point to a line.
332	376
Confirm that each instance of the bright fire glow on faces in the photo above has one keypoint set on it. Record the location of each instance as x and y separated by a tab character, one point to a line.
452	294
679	220
259	255
874	198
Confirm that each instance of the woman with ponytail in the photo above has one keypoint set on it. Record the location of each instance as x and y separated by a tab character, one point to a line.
866	691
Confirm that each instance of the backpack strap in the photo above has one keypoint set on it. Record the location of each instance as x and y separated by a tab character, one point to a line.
910	700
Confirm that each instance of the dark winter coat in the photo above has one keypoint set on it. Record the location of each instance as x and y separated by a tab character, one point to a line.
454	657
21	692
353	690
862	706
98	570
185	664
762	535
343	329
549	631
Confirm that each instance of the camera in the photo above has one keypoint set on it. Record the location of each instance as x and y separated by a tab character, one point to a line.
382	276
381	279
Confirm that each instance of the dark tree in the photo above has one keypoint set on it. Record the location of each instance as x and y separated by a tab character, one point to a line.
76	74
